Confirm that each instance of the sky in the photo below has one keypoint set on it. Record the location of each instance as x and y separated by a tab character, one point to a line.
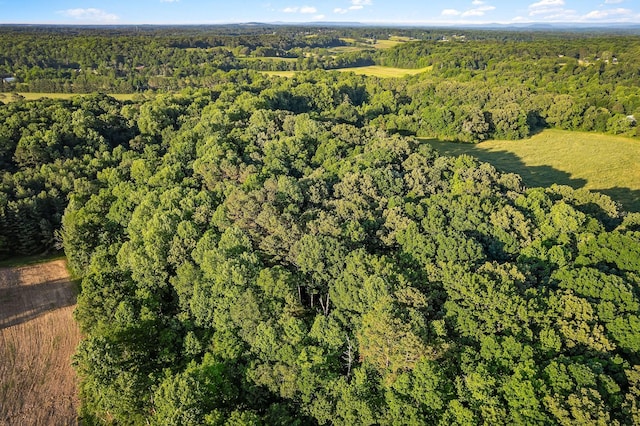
430	12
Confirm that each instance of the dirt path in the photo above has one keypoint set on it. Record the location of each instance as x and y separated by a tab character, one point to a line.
37	338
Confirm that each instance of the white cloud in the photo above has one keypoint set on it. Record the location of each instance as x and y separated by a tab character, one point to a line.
549	8
479	11
608	13
318	17
558	15
476	11
546	3
355	5
300	9
90	15
613	1
169	1
450	12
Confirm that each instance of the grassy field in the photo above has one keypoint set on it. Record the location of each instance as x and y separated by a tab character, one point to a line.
378	71
604	163
34	96
401	38
356	45
267	58
372	70
387	44
38	335
347	49
287	74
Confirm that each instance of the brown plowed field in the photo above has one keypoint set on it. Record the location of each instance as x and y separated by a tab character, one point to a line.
37	338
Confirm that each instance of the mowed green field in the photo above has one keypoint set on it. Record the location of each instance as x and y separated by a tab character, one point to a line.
364	44
605	163
372	70
267	58
33	96
368	44
385	72
287	74
388	44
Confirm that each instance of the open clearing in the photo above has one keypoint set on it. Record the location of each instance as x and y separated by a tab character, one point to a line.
267	59
38	336
379	71
605	163
366	44
287	74
372	70
388	44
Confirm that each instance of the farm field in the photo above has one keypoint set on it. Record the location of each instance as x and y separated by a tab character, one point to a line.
267	58
38	336
287	74
605	163
384	72
372	70
387	44
379	44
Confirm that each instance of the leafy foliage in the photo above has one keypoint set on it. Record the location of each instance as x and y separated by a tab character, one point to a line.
251	276
283	251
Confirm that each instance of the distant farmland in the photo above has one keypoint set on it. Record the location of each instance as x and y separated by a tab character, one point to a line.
605	163
384	72
371	70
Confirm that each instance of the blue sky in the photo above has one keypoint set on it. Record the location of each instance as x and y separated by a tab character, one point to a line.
373	11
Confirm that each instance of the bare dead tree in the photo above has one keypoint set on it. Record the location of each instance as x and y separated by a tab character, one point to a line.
348	356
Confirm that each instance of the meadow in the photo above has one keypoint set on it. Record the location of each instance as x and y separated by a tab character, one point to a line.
267	58
605	163
384	72
372	71
355	45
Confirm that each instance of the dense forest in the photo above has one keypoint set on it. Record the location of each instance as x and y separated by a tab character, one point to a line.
268	250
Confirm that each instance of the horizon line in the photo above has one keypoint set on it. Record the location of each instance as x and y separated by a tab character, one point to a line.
342	23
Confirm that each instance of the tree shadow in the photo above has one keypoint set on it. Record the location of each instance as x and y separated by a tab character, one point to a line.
629	198
506	161
534	176
19	304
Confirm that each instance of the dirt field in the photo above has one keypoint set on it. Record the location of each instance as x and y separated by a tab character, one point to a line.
37	338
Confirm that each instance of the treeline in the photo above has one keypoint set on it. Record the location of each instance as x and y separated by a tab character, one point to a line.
601	74
319	61
127	61
136	59
253	257
49	149
479	87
